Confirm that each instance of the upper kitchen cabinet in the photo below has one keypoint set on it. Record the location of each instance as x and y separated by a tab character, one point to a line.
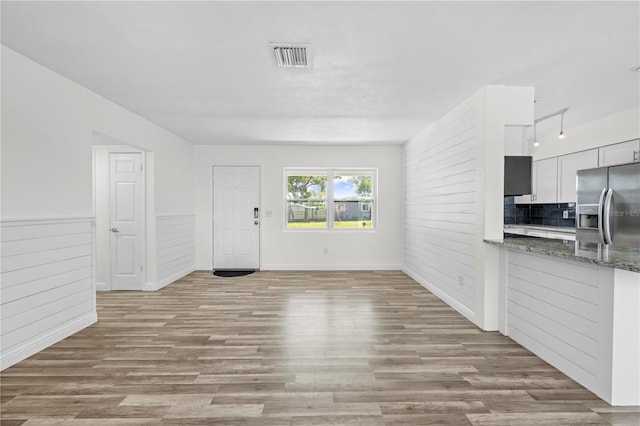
544	179
619	153
568	165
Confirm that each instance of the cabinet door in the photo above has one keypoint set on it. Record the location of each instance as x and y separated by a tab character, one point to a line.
528	198
620	153
568	165
545	181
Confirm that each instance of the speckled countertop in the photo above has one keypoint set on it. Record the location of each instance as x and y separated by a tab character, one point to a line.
620	258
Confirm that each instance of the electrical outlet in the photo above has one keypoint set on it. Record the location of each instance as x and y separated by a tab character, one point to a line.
565	214
326	250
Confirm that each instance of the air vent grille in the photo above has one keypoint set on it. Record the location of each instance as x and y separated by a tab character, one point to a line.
290	55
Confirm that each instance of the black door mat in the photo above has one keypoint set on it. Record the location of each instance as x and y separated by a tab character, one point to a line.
232	273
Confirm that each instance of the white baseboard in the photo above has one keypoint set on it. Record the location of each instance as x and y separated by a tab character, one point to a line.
26	350
154	286
463	310
204	267
299	267
102	286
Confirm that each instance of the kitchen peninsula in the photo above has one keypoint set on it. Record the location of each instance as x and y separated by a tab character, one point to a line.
577	306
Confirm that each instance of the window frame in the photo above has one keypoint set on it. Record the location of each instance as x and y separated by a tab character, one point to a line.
330	202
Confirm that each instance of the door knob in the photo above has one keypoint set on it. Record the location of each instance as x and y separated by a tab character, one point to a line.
114	230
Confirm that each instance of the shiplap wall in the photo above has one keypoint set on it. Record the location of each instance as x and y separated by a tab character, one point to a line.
47	288
176	247
440	207
562	312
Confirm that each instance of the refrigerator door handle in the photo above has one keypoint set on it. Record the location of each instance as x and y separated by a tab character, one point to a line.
601	215
607	217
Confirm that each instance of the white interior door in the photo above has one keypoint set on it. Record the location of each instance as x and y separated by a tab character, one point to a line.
236	217
127	221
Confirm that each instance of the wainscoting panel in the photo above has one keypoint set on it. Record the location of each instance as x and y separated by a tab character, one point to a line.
176	249
47	289
561	311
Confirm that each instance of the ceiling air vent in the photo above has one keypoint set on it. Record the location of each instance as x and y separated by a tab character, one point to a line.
290	55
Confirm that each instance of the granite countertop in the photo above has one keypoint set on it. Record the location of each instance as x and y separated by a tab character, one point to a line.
619	258
564	229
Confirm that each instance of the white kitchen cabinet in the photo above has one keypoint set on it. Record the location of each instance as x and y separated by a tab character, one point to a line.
568	165
554	179
619	153
528	198
545	181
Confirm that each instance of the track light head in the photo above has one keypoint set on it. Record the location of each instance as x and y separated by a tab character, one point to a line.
561	135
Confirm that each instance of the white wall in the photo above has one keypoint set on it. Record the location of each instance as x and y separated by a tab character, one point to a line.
454	199
615	128
380	249
48	126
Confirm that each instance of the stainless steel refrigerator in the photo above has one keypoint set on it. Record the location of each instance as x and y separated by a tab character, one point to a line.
608	205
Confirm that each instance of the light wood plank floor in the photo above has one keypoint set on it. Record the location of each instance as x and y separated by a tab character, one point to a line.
292	348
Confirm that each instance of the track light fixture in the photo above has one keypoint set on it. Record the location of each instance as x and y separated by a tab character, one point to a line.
537	120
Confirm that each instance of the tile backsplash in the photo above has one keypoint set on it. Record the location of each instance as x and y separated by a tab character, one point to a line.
539	214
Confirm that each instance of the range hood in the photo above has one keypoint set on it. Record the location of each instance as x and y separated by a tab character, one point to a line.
517	175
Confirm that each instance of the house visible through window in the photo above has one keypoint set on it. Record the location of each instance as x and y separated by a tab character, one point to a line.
330	198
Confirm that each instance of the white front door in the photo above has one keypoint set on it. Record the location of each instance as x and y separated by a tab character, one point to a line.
127	221
236	217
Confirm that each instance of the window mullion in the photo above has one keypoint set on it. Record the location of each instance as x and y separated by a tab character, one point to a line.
330	199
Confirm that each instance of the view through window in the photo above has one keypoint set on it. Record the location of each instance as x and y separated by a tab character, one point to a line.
330	199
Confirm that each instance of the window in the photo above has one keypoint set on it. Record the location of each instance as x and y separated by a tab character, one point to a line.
307	199
330	198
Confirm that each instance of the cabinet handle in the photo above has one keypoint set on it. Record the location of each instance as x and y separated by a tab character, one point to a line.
636	156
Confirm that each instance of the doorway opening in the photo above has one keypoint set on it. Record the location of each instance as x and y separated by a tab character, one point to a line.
120	210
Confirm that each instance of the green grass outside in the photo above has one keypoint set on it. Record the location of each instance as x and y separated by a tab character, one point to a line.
356	224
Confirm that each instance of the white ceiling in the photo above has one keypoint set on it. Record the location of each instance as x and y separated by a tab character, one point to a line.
382	71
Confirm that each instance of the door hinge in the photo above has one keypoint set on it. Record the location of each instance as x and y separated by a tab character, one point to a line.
141	268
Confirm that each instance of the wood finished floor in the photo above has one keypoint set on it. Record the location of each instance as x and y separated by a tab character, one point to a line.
292	348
